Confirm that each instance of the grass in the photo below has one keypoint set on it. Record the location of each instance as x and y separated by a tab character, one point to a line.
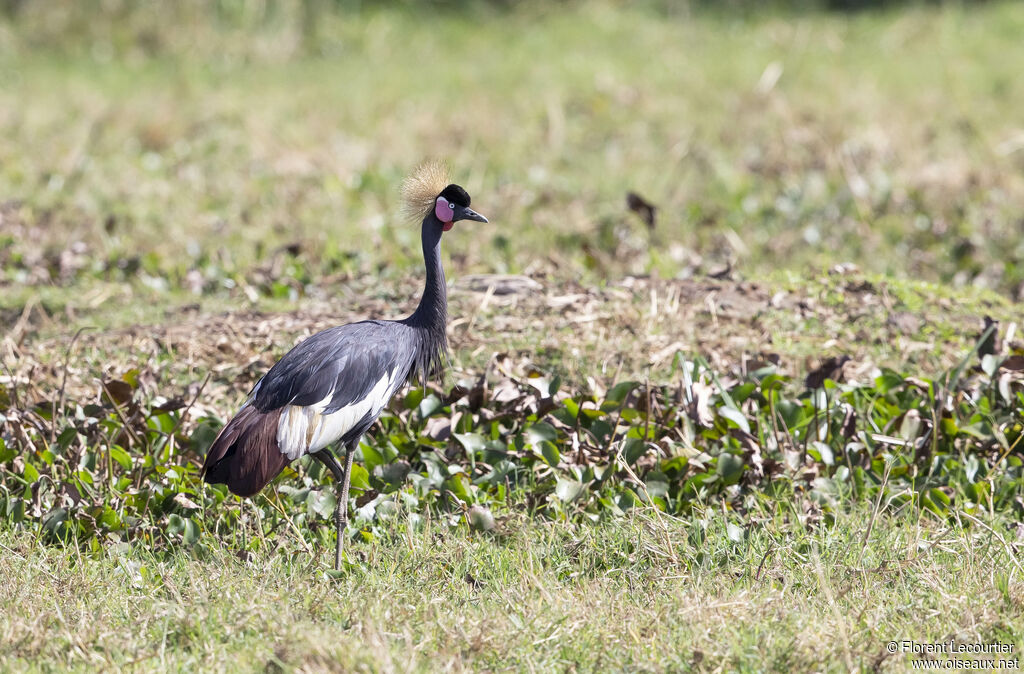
643	593
200	186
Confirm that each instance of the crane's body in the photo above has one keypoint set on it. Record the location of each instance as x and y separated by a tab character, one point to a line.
333	386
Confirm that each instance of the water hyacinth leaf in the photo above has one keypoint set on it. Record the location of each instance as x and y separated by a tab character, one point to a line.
175	524
978	492
568	412
990	363
110	519
791	413
438	428
163	422
743	391
121	456
979	430
540	432
191	532
297	495
617	395
773	382
480	519
117	390
949	427
898	470
629	415
459	486
632	450
824	491
321	502
626	500
568	490
395	473
601	430
675	465
698	482
183	501
360	478
540	383
971	466
822	452
385	508
371	457
428	406
64	440
657	487
1004	389
54	523
6	453
550	453
204	434
888	381
729	468
473	443
414	398
940	498
736	417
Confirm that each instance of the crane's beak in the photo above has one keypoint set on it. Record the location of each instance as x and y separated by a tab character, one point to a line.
466	213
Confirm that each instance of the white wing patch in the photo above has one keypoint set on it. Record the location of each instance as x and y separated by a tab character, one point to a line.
306	429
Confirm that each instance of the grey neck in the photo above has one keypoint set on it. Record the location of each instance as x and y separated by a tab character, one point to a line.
431	316
433	308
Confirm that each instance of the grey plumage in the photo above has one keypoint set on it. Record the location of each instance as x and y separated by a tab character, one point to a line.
343	362
332	387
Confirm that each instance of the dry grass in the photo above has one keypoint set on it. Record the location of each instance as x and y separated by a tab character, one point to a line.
631	329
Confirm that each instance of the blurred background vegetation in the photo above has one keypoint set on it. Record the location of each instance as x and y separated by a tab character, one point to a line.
174	151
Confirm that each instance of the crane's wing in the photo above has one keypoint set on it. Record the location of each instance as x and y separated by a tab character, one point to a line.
334	385
330	387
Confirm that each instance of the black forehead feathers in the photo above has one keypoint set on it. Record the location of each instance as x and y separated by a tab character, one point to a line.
456	195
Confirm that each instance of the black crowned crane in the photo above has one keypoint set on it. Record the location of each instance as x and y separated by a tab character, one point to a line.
330	388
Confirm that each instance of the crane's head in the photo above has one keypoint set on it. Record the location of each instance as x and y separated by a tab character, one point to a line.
425	194
452	205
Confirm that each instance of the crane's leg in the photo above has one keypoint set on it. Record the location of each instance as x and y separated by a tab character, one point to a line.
341	511
341	478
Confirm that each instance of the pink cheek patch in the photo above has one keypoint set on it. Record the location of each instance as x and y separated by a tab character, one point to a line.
443	210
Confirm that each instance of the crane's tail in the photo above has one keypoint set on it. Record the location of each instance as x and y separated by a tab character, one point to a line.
245	455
